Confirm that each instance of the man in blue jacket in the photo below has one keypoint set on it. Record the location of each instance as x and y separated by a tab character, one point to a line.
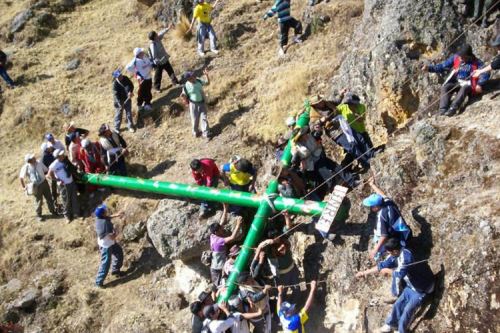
411	282
460	79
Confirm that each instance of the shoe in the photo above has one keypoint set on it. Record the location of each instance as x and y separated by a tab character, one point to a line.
281	52
118	273
99	286
131	130
386	329
297	40
40	218
158	90
484	24
215	51
442	112
201	53
68	220
450	112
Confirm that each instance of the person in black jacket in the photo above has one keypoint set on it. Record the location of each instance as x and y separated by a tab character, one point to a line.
3	70
123	91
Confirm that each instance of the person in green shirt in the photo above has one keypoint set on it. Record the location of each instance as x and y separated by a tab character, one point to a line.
194	98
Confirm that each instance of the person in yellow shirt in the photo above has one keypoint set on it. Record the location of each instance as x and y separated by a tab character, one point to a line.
203	14
290	321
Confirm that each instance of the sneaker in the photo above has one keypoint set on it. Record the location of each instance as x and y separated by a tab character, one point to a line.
118	273
68	220
215	51
442	112
40	218
201	53
297	40
131	130
386	329
281	52
450	112
99	286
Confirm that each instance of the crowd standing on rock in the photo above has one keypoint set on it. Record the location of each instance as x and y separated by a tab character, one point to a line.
312	175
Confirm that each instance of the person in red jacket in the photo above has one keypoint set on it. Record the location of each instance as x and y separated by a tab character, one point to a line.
91	156
205	173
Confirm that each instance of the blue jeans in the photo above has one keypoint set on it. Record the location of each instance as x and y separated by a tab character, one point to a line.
5	76
403	310
204	31
111	256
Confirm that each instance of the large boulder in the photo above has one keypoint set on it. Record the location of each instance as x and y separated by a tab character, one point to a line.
20	20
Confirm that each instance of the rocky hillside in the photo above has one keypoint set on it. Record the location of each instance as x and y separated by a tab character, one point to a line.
443	172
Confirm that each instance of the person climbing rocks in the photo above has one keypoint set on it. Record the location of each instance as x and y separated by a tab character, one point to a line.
214	322
218	245
205	173
70	128
141	66
111	253
123	91
481	8
257	298
293	322
240	175
495	63
60	170
194	97
52	142
462	65
34	171
116	150
389	221
203	14
411	283
3	71
160	58
281	8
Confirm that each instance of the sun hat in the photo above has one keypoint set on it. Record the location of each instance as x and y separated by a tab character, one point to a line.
28	157
373	200
138	51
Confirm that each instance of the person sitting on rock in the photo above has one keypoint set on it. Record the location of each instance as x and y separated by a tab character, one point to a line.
205	173
123	91
70	128
285	21
495	63
390	222
203	14
411	283
3	71
116	150
204	298
160	58
111	252
291	321
218	245
35	171
462	65
141	66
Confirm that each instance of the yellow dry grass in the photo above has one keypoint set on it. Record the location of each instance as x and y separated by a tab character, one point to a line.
182	31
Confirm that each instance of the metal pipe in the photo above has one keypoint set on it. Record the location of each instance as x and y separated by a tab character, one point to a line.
303	120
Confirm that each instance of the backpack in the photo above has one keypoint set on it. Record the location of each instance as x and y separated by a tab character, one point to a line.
399	228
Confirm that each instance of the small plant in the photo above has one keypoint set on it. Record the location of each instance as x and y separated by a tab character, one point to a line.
228	41
181	30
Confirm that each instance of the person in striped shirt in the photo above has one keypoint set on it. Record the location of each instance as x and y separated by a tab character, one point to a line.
281	9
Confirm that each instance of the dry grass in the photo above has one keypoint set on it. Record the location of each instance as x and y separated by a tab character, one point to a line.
182	31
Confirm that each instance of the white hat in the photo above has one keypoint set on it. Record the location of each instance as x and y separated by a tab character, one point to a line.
58	152
138	51
28	157
290	121
85	143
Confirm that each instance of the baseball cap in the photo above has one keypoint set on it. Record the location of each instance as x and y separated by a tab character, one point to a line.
373	200
117	73
187	75
100	211
138	51
287	308
28	157
49	136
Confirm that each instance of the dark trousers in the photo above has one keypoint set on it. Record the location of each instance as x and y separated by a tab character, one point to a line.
327	168
358	149
144	95
205	205
118	168
159	72
110	257
69	200
6	77
447	90
40	192
127	107
285	26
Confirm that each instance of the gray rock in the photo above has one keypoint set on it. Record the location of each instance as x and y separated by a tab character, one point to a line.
40	4
27	301
133	232
46	20
20	20
72	64
12	286
66	109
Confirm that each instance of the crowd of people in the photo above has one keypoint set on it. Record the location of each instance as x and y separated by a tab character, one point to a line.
262	296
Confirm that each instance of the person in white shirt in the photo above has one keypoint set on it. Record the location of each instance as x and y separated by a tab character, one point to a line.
52	142
34	171
234	321
141	66
59	170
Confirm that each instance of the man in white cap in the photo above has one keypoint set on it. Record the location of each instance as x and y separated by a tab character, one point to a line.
59	169
141	66
123	91
37	186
